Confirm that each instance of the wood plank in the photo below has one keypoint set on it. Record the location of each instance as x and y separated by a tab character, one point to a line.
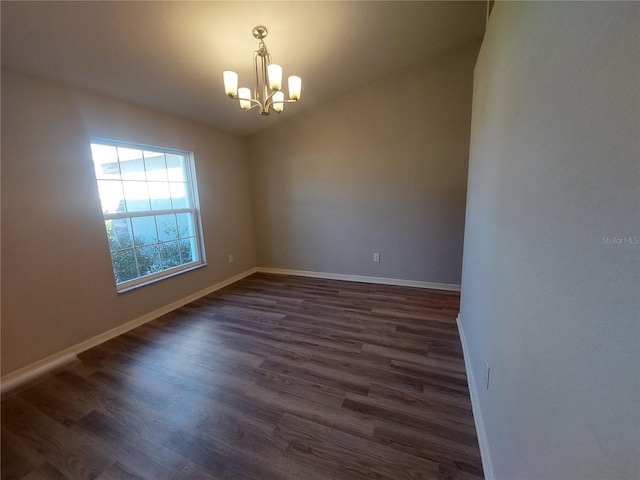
117	471
140	454
46	472
275	377
18	458
74	455
347	456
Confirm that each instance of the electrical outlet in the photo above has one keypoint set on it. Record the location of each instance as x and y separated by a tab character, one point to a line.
487	373
376	257
230	258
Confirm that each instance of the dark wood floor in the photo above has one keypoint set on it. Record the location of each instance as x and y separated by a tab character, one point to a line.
274	377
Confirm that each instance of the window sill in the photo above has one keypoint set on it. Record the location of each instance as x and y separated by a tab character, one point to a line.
141	282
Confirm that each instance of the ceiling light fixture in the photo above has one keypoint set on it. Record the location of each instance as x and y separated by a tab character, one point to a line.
267	94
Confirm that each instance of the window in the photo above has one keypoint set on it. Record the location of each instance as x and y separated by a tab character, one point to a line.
150	211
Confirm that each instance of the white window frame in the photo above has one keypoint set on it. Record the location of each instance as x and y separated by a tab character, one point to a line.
194	210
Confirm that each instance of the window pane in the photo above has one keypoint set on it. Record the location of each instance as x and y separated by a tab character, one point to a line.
159	195
124	265
136	196
105	161
131	164
189	250
149	260
176	168
179	196
167	228
170	255
119	233
111	196
185	225
155	166
144	230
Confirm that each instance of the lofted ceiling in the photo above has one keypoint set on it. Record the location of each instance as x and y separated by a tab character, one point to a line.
170	55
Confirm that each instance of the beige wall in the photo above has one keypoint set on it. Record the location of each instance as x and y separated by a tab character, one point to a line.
380	169
546	300
57	282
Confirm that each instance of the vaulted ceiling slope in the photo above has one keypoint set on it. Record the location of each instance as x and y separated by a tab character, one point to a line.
170	56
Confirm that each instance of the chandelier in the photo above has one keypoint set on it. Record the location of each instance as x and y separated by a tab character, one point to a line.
267	94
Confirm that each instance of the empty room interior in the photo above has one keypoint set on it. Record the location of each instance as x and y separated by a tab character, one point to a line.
320	240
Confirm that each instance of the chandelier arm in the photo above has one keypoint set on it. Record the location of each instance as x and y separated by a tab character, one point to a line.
257	103
265	78
269	103
256	90
286	100
266	101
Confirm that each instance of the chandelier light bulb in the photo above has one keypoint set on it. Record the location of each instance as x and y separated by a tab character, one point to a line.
230	83
278	101
295	86
275	76
245	94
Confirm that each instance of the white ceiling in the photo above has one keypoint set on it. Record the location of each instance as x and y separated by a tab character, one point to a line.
170	56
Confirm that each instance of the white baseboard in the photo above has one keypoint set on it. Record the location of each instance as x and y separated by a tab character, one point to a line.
483	440
58	360
364	279
32	372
